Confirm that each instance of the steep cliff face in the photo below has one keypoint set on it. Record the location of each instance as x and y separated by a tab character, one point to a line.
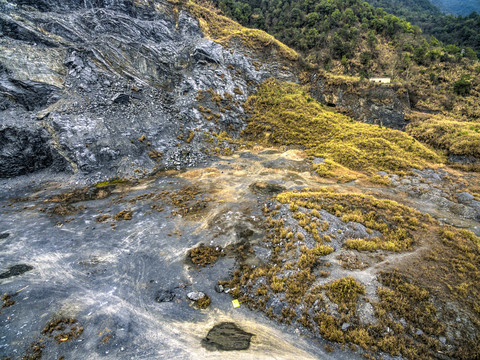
117	88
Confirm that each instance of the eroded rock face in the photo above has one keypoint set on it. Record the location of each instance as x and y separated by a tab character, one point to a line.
122	87
26	148
378	104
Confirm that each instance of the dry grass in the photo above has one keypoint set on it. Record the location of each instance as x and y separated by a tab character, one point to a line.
283	114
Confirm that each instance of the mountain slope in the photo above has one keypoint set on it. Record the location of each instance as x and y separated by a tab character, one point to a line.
457	30
113	88
458	7
158	160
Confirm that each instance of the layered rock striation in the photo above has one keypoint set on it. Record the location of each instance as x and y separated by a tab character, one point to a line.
117	88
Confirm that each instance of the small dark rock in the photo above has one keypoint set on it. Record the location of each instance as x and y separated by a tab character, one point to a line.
121	99
4	235
16	270
164	296
227	337
219	288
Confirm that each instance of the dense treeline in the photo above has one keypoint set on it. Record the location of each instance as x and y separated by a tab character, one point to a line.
463	31
365	39
458	7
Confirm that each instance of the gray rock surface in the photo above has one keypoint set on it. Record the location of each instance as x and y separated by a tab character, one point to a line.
114	87
373	104
195	295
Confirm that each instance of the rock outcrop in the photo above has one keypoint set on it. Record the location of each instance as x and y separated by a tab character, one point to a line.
116	88
381	104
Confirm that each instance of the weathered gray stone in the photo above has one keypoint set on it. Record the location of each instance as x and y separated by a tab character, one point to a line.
109	72
195	295
465	197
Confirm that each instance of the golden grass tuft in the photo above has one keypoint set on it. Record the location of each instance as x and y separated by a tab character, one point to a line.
443	132
222	30
396	222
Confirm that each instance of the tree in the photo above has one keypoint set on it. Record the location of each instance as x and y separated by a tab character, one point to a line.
462	87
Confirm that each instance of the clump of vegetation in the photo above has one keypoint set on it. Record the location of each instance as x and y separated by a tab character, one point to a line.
221	29
448	133
455	264
282	114
82	194
204	255
7	301
204	302
63	329
462	87
408	301
345	292
102	218
124	215
396	222
380	180
188	200
111	182
155	155
34	352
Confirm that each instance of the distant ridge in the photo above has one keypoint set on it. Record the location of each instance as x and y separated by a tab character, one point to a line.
458	7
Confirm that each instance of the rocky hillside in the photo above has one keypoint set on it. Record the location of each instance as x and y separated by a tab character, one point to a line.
178	186
121	88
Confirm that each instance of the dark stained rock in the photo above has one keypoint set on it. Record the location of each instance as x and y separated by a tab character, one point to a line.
165	296
23	151
372	104
227	337
266	188
121	99
16	270
31	95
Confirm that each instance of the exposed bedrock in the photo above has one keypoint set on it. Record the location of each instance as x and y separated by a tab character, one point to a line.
122	88
371	103
26	149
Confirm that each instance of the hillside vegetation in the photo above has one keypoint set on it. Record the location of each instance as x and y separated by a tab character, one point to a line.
462	31
459	7
353	40
223	30
284	114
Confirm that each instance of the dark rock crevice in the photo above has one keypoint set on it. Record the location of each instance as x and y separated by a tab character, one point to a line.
23	151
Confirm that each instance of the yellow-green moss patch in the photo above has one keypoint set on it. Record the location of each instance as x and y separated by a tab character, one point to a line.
457	137
395	222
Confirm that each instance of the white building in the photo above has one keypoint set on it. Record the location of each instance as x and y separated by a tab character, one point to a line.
380	80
